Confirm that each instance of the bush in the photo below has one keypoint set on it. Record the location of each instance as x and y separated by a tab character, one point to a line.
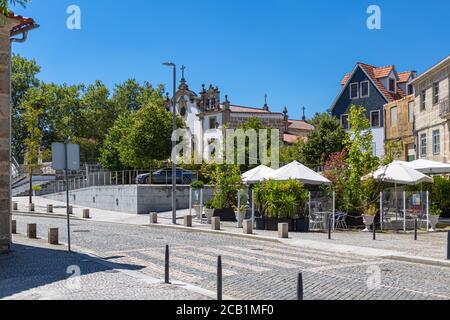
278	199
197	185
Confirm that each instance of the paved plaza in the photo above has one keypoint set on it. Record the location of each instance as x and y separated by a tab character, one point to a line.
132	260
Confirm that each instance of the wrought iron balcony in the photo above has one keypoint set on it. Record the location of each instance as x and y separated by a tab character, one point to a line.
444	108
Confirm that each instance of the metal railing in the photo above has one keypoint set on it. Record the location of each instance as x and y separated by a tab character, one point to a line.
115	178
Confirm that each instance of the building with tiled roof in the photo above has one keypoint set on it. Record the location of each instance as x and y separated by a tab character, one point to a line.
372	87
205	110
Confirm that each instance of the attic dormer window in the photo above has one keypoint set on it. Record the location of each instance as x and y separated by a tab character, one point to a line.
354	93
392	85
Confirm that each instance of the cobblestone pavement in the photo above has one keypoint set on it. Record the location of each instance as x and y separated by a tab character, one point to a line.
37	271
253	269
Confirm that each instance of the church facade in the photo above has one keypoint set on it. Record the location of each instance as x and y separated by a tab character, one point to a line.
207	110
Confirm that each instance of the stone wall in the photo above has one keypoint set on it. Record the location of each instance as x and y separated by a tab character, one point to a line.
5	136
403	130
429	119
134	199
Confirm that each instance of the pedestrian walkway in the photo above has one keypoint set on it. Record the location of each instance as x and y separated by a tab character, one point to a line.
429	245
37	271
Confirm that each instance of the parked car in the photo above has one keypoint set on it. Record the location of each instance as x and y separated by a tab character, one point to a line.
164	176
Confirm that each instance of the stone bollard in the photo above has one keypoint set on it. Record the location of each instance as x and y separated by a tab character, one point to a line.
283	230
70	210
215	223
153	218
32	231
15	206
188	221
248	227
53	237
31	207
49	208
86	214
13	226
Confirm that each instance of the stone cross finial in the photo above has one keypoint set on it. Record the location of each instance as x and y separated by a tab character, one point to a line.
304	116
266	106
182	71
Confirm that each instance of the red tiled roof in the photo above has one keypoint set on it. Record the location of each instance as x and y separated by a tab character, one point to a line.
382	72
291	138
24	24
404	76
346	77
247	109
300	125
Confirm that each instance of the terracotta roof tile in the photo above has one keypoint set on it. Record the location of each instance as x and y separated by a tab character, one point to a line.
24	23
300	125
404	76
247	109
382	72
291	138
370	70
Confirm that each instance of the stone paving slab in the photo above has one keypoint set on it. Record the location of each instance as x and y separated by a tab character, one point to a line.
37	271
430	245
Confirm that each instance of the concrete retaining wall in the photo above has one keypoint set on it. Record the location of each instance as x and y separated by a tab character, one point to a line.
140	199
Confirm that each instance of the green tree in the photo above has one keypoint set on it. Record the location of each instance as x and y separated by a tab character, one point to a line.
130	96
327	138
23	77
6	4
361	161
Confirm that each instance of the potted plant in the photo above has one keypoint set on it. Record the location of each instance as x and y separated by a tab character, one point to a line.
197	186
240	213
435	213
369	216
209	211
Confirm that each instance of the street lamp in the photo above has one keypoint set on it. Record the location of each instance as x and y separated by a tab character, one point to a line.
174	123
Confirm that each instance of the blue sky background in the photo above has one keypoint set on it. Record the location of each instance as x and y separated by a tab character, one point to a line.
295	51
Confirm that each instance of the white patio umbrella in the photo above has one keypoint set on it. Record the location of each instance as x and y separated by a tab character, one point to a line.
428	166
257	174
296	171
399	173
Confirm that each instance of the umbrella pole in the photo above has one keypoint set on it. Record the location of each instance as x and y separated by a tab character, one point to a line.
239	208
428	211
404	211
381	211
396	203
253	207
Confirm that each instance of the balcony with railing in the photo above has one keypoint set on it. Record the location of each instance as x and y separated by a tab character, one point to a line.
444	108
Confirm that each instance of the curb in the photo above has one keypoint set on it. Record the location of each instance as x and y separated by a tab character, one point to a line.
216	232
419	260
46	215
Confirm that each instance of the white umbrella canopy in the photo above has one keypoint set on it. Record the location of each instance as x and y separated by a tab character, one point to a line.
428	166
399	173
296	171
257	174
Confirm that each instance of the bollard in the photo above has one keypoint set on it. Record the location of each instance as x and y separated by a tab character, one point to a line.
166	266
153	218
32	231
374	231
448	246
283	230
70	210
53	237
300	287
31	207
215	223
13	226
219	278
329	230
15	206
49	208
415	229
188	221
86	214
248	227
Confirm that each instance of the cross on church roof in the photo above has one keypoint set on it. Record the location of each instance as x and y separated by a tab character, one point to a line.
182	71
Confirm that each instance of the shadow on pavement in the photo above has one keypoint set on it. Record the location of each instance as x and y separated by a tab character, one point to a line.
28	267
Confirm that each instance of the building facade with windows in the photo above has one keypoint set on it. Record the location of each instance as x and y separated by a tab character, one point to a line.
207	111
432	112
371	87
399	126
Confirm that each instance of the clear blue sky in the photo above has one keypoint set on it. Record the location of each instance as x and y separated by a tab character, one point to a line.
295	51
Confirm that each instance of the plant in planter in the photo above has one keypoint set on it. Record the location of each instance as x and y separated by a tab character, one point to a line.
209	210
435	213
369	216
241	211
197	186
